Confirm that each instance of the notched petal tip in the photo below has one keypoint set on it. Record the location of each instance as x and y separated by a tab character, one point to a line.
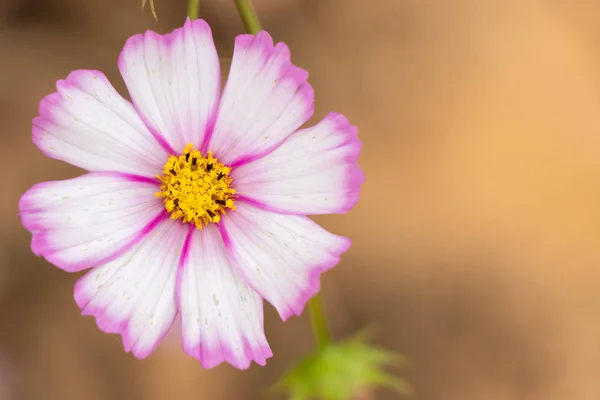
198	25
297	306
79	76
261	45
213	355
243	41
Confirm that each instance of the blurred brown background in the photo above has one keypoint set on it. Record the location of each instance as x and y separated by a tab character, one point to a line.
476	241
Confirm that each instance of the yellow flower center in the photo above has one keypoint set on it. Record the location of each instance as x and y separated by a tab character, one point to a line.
196	189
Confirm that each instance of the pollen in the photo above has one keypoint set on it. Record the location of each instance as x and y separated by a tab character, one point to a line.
196	189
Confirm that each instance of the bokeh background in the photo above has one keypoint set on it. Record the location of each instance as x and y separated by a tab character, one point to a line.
477	238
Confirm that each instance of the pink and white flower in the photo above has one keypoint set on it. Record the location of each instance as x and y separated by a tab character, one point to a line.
195	202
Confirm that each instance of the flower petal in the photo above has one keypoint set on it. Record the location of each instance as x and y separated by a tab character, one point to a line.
134	294
315	171
174	82
280	256
83	222
222	318
88	124
266	98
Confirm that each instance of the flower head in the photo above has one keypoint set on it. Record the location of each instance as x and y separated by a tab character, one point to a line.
195	201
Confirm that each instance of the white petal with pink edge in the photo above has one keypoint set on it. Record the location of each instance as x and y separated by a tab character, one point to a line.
134	294
280	256
88	124
266	98
222	318
83	222
315	171
174	82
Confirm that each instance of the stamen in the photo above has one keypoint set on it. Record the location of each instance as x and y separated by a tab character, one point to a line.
197	192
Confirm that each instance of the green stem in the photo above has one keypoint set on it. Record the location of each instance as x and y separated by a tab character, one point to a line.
249	18
317	319
193	8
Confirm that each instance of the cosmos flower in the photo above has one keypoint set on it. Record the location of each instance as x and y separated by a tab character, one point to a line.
196	201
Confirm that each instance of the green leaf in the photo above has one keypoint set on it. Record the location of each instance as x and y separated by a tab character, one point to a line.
343	371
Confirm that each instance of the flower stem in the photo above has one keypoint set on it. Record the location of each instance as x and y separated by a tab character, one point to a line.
249	18
317	319
193	8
